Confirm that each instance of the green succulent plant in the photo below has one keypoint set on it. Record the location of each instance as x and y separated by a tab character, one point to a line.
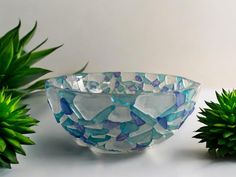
219	130
17	74
17	80
14	123
16	71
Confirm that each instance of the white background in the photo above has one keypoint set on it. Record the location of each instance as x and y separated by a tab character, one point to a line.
192	38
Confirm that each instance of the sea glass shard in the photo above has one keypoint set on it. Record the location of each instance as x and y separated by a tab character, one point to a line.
95	103
154	104
120	114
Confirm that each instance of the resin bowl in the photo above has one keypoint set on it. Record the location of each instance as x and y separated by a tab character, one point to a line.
118	112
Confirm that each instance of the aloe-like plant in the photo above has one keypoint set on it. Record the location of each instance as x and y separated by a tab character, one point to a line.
16	71
14	123
219	130
16	64
18	79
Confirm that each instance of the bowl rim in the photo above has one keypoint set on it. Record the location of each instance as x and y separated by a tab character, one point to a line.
195	85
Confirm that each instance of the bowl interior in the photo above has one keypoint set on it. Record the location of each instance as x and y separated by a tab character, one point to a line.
123	83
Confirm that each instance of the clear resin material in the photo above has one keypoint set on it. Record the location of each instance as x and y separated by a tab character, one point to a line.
119	112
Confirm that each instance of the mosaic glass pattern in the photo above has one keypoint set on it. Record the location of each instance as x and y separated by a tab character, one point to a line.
119	112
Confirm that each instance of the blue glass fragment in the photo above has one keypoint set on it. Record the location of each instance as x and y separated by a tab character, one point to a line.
117	74
65	106
106	78
122	137
146	118
117	84
138	121
138	78
67	95
110	125
80	127
180	99
88	141
74	132
164	89
140	147
156	83
162	121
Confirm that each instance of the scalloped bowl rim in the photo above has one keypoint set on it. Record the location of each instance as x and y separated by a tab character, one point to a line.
194	84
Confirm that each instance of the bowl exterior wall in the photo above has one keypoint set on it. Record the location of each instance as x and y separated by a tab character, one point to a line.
119	123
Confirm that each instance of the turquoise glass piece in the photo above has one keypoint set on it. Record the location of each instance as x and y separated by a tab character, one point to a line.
58	116
98	140
128	127
67	122
123	99
143	138
119	112
94	132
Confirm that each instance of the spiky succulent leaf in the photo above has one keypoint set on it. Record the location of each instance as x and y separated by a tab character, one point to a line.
14	123
219	130
82	69
16	71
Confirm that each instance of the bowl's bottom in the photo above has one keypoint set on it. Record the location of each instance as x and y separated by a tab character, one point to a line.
121	147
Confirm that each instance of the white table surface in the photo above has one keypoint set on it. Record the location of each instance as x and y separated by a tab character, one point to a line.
56	154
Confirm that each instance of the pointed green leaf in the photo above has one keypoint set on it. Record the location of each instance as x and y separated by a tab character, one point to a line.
219	125
10	155
20	151
39	45
16	145
230	144
216	130
23	120
19	63
221	141
7	132
17	92
2	145
23	130
22	61
232	138
38	55
82	69
26	76
10	35
227	134
25	40
23	139
4	124
4	164
14	102
6	56
39	85
232	118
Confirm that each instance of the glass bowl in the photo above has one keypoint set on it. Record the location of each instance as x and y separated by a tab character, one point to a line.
119	112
